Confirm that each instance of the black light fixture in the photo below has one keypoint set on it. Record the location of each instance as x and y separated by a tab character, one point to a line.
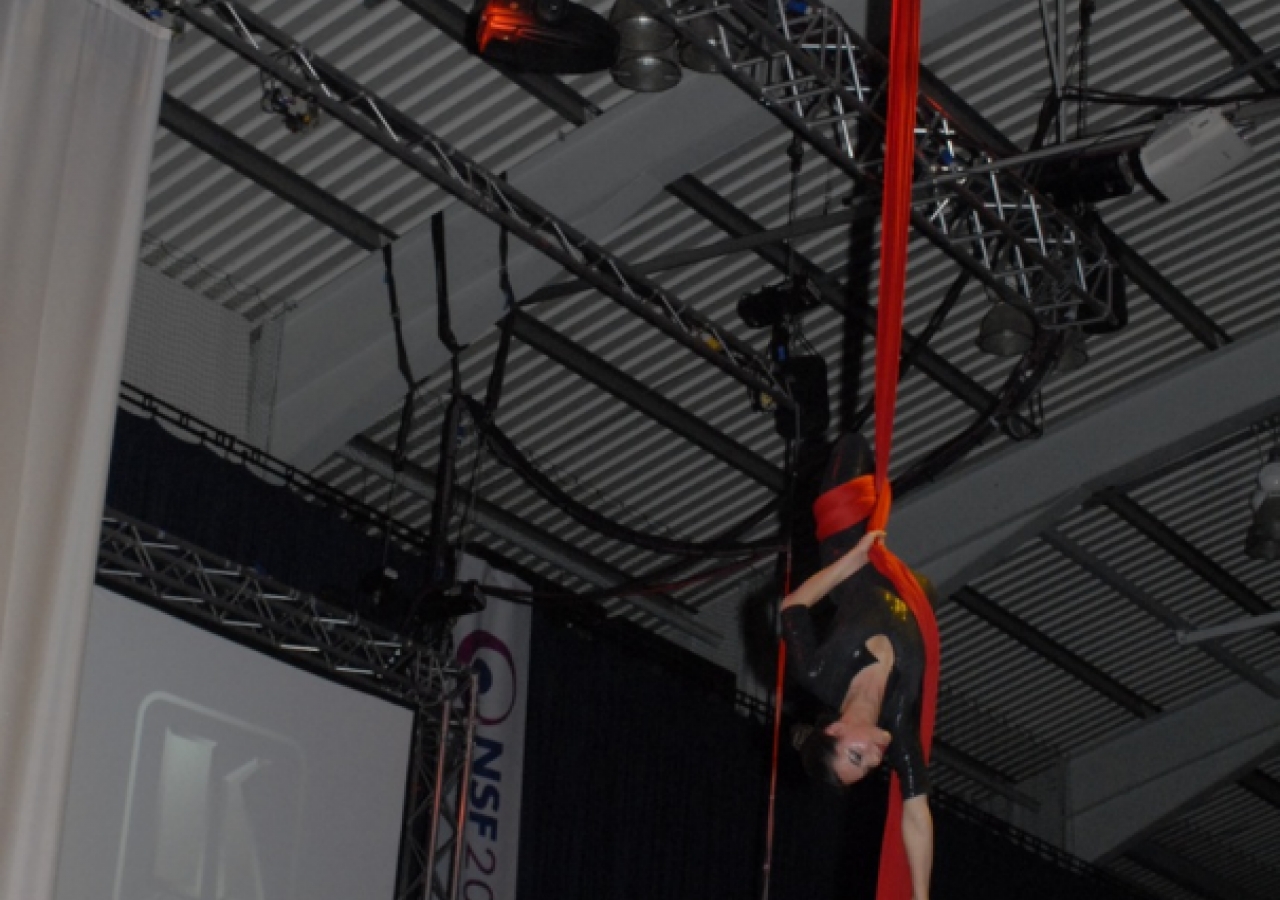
773	304
1262	541
1006	331
550	37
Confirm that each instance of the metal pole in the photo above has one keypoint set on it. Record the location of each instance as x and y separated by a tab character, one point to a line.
1253	623
429	868
464	785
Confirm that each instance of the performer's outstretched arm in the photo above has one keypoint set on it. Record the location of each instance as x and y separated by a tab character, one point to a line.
824	581
917	835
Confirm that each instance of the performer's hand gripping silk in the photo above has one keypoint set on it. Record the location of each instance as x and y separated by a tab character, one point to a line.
866	668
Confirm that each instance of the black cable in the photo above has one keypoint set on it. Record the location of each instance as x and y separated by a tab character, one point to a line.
507	453
402	361
922	341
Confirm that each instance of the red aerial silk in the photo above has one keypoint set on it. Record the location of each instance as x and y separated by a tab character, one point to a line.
868	497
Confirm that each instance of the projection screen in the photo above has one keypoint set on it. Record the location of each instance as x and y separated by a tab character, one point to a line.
203	770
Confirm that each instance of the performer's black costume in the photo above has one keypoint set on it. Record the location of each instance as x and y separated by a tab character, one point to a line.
866	605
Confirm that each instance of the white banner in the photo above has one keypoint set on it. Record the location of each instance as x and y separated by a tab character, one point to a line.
496	643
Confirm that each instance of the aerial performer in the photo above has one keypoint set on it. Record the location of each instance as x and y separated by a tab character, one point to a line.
876	666
867	667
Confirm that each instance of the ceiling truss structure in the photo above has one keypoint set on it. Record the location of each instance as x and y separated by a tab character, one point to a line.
1001	271
429	155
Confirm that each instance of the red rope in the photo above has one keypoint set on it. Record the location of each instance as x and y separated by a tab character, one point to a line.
864	498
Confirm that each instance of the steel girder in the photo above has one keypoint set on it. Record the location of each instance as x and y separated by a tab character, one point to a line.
409	142
234	601
828	85
282	181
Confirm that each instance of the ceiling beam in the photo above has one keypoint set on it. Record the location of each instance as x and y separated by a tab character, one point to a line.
1041	644
1148	425
1168	540
530	538
1180	870
1262	786
1119	791
288	185
1227	32
557	347
554	93
338	371
1157	610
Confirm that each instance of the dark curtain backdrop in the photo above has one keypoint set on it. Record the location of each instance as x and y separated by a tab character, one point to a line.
641	782
641	785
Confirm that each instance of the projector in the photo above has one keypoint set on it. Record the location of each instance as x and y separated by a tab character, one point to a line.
1189	151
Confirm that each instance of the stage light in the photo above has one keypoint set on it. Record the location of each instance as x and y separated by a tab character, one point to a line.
1263	538
692	54
1086	179
772	304
550	37
648	50
1006	331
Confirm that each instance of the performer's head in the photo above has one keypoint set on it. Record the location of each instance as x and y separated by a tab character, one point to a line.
840	753
851	457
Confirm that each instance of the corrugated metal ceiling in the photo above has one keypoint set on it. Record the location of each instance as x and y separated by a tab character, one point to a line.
1005	705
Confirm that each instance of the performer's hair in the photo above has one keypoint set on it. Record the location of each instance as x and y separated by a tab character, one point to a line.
817	750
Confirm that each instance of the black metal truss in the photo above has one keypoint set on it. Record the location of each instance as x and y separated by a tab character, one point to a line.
817	76
1157	610
1227	32
1050	650
533	539
1164	537
430	156
554	93
235	602
630	391
282	181
1134	267
724	215
825	83
860	211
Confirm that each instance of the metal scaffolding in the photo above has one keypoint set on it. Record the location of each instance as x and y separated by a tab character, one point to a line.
235	602
827	84
259	42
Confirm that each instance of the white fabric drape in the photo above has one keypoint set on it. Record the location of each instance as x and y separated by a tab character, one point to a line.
80	84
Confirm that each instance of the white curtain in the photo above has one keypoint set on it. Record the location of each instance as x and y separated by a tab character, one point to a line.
80	84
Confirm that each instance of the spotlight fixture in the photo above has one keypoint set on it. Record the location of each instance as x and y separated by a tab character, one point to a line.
648	50
1006	331
1262	541
550	37
770	305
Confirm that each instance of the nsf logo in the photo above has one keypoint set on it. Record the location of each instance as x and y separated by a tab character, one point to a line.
495	668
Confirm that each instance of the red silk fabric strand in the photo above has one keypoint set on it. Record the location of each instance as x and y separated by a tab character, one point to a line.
865	498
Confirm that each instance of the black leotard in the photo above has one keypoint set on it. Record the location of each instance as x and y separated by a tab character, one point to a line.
866	605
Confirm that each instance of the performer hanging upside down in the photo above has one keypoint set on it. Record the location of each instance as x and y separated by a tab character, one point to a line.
867	668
